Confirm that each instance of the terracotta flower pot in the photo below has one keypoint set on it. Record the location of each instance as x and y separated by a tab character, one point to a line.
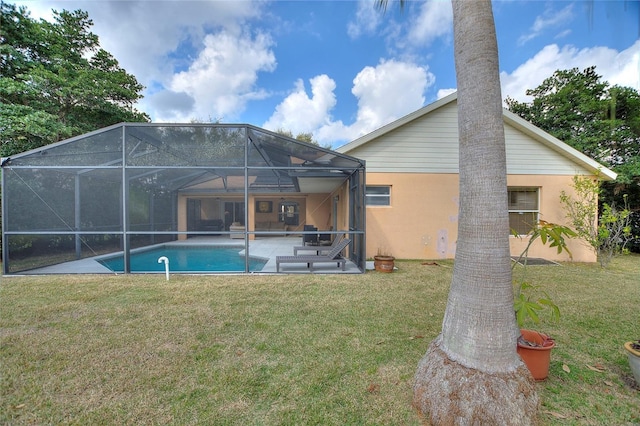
634	360
535	350
383	263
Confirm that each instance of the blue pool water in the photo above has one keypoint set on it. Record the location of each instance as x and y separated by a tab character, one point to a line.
187	259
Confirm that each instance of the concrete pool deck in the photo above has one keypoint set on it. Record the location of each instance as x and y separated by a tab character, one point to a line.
263	247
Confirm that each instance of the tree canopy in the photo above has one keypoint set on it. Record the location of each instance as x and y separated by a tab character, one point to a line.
600	120
304	137
56	82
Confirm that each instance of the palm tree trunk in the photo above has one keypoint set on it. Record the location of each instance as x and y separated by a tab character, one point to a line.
479	327
476	350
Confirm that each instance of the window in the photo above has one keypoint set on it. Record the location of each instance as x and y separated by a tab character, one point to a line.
523	209
378	195
289	213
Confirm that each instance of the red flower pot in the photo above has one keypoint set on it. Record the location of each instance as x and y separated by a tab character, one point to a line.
535	350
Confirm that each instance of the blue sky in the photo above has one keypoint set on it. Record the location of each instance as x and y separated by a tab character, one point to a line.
340	69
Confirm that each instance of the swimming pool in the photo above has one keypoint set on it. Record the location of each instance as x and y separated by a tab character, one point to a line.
184	258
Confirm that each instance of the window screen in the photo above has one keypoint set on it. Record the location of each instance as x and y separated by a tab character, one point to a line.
523	209
378	195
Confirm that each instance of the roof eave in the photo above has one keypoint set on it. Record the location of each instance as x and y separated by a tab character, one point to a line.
602	172
515	120
397	123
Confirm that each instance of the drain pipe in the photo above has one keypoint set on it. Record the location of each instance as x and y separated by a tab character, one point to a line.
166	265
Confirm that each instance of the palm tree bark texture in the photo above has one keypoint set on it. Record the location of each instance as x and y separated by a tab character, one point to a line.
471	373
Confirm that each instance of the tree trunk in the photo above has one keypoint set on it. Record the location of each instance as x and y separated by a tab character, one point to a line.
471	374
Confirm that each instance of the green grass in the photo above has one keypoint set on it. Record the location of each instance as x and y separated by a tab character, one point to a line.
278	349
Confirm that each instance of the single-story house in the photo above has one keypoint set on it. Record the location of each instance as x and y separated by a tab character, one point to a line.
94	201
412	183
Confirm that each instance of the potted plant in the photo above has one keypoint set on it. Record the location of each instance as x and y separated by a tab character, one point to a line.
530	301
633	353
383	262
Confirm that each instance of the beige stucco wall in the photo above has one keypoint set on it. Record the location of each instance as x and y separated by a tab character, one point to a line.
422	221
318	211
315	209
182	216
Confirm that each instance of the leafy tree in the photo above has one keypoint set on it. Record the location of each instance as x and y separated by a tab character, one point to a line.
56	82
601	121
572	107
471	372
304	137
606	235
578	108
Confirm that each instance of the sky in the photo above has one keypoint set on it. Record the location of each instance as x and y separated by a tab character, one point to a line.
340	69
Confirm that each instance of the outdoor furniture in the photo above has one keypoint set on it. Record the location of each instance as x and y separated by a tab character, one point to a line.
324	239
309	238
318	249
211	225
236	231
333	255
271	226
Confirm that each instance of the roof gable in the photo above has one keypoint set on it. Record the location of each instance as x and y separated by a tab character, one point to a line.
426	141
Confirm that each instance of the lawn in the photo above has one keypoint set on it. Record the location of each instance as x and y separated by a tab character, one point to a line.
279	349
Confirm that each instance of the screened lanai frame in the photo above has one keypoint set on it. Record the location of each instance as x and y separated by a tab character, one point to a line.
135	185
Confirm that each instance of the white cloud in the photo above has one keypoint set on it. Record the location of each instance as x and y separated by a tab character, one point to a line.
624	69
367	19
621	68
434	20
385	92
563	34
223	76
142	35
445	92
171	104
418	25
389	91
300	113
154	40
549	19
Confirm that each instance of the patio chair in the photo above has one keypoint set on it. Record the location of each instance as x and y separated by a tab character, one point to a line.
333	255
324	239
309	238
319	250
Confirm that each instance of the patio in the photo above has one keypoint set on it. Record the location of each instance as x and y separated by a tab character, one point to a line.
267	248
